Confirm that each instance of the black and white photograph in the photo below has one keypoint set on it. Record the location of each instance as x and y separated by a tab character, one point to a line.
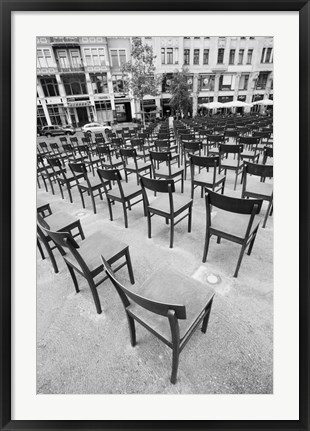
155	231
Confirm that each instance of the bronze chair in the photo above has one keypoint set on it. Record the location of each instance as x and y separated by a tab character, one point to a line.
254	185
236	220
167	205
124	192
84	258
211	180
170	305
61	222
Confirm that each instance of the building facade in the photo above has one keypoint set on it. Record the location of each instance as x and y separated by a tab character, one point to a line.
79	79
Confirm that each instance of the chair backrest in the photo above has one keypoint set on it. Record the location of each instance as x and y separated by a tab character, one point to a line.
63	140
193	147
233	149
55	147
74	140
79	169
107	176
156	307
159	157
235	205
43	145
204	162
249	140
68	148
136	142
160	186
264	171
268	152
262	134
215	138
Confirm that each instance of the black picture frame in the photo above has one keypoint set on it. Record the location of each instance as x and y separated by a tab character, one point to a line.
7	7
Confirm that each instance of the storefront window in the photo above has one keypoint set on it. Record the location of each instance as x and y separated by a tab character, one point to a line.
118	83
99	83
74	85
262	81
50	87
57	114
206	82
227	82
166	83
243	82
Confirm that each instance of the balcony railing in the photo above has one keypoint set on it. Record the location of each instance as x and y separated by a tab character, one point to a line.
63	69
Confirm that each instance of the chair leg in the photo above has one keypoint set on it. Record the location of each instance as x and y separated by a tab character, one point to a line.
171	232
93	201
110	209
190	218
182	182
252	243
94	292
206	318
239	260
52	257
125	214
206	247
61	191
192	191
82	198
167	220
175	363
74	279
40	249
149	227
129	266
267	214
70	194
132	330
79	226
218	240
235	181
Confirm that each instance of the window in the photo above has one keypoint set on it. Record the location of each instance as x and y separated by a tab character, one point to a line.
232	53
186	56
186	37
76	59
94	56
263	55
266	55
166	83
50	87
99	82
118	83
227	82
220	56
252	38
163	56
205	56
243	82
74	84
169	55
57	114
118	57
196	56
240	57
176	55
102	105
262	81
242	37
44	58
196	37
249	56
41	120
189	82
206	82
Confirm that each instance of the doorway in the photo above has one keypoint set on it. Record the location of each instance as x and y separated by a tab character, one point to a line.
82	115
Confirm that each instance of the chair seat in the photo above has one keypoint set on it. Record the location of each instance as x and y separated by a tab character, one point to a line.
231	163
161	203
141	166
259	188
207	178
172	288
94	182
163	170
232	223
248	153
59	220
92	247
128	189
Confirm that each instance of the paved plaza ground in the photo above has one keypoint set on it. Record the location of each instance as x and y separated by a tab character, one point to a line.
81	352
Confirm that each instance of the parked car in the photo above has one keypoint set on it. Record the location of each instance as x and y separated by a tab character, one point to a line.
57	130
96	128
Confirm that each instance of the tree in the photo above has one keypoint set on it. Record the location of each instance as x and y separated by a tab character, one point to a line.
139	72
180	90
